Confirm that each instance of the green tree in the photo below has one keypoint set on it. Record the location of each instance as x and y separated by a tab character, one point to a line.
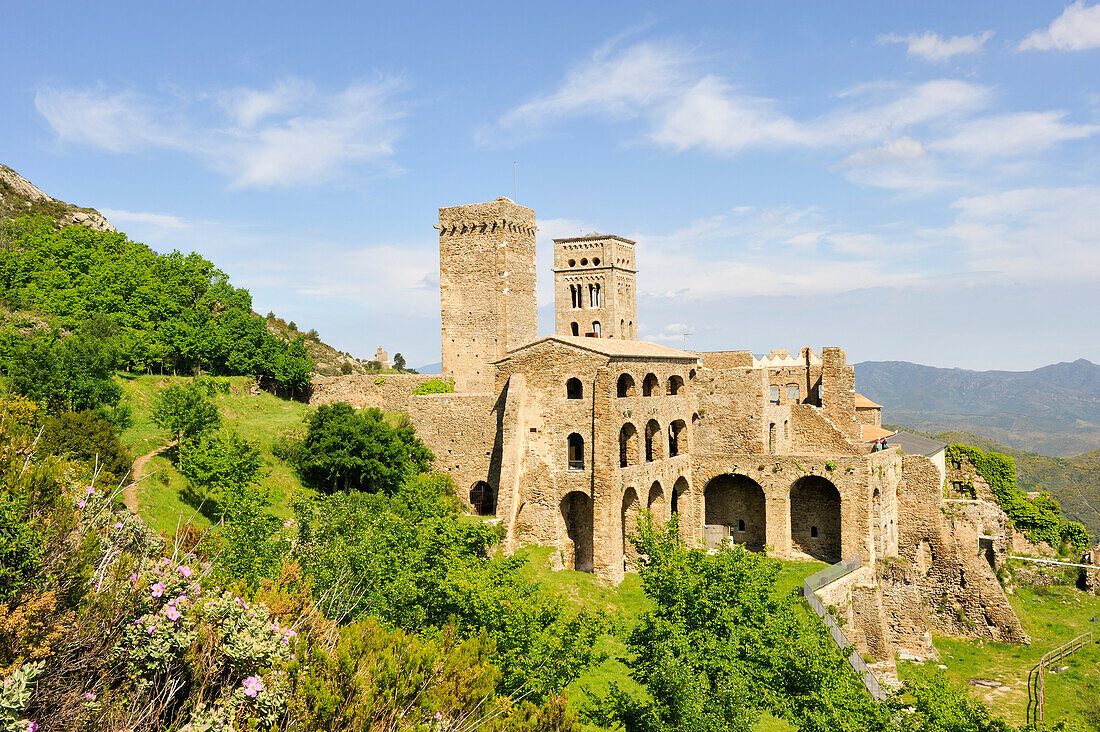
184	411
357	450
932	704
85	436
399	363
216	463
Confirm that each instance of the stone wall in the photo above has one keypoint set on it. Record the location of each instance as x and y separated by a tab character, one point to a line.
388	392
460	430
812	432
838	391
1091	578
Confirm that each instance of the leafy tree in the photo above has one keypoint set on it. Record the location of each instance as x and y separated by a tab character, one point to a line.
399	362
85	436
293	368
720	646
184	411
218	463
247	547
292	325
313	335
932	704
357	450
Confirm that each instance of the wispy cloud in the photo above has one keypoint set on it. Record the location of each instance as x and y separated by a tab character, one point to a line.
1076	29
1013	134
163	221
931	47
288	135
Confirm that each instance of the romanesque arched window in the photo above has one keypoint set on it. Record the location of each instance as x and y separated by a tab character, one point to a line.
573	389
675	384
625	386
596	328
676	438
628	445
576	328
650	385
576	452
652	441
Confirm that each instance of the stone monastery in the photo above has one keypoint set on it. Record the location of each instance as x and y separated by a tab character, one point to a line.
566	438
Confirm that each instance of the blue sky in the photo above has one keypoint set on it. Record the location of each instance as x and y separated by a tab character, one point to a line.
916	181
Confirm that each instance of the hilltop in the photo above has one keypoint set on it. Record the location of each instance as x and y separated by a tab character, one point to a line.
1053	410
18	197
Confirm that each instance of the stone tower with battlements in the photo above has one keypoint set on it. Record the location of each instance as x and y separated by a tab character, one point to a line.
487	288
594	287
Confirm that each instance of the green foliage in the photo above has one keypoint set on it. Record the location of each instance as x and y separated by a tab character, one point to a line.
248	546
931	704
415	562
721	646
1040	518
218	463
399	363
87	437
14	695
435	386
184	410
166	312
346	449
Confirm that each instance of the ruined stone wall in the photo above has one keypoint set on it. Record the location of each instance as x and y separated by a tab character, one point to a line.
1091	578
487	288
388	392
869	416
838	391
730	404
460	430
813	433
961	591
805	378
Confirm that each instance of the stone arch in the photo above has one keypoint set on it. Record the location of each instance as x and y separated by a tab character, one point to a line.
677	438
652	441
576	513
729	500
678	501
483	498
630	526
815	518
628	445
576	452
656	502
675	384
575	328
596	330
624	387
574	389
650	385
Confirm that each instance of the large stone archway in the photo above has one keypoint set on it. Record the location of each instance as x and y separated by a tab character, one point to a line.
733	508
576	513
815	518
629	517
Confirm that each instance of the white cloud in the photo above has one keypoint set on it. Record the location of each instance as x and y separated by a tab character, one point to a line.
163	221
903	148
1076	29
931	47
288	135
1013	134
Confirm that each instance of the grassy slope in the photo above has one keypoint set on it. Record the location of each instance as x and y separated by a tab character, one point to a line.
162	496
626	603
1052	617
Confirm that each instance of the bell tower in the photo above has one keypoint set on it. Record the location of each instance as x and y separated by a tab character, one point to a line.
594	287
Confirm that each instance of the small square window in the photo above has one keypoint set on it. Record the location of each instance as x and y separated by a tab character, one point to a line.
773	394
792	393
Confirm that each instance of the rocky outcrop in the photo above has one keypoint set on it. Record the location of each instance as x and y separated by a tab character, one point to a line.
18	197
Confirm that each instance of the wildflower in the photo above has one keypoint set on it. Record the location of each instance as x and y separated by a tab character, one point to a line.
81	503
89	696
252	686
158	589
185	571
165	560
172	613
133	577
137	622
32	727
439	716
118	524
89	490
289	635
275	627
152	629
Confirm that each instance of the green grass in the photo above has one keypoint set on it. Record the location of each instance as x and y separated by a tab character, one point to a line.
163	497
1051	616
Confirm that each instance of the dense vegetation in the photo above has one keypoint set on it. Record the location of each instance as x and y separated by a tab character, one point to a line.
167	313
1039	518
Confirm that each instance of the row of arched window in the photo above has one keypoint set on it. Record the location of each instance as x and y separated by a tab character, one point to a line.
651	386
629	454
595	295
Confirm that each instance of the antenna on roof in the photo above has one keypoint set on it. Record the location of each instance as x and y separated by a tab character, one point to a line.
686	334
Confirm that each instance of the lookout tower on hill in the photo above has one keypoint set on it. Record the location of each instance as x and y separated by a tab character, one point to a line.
594	287
487	288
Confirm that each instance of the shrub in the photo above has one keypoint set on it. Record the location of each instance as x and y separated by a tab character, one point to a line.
435	386
216	463
88	437
184	411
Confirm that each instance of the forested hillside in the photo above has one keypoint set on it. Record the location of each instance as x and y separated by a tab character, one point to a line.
1053	410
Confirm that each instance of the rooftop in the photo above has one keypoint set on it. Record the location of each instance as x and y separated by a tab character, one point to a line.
872	432
863	402
916	444
596	237
616	348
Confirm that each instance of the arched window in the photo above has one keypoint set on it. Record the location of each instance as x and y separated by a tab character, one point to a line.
576	452
813	532
483	498
628	445
773	394
771	438
575	295
573	389
596	328
652	446
575	327
741	524
675	442
675	384
650	385
622	329
625	386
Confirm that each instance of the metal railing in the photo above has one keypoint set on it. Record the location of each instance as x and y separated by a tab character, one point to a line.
814	582
1036	680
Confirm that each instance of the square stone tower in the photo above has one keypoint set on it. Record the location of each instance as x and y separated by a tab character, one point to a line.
594	287
487	288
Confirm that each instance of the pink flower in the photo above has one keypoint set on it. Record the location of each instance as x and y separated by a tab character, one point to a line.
252	686
89	696
172	613
89	490
289	636
137	622
185	571
158	589
152	629
165	560
439	716
275	627
133	577
81	503
118	524
32	727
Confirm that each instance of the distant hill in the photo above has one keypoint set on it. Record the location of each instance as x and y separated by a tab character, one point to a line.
1053	410
18	197
1074	482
